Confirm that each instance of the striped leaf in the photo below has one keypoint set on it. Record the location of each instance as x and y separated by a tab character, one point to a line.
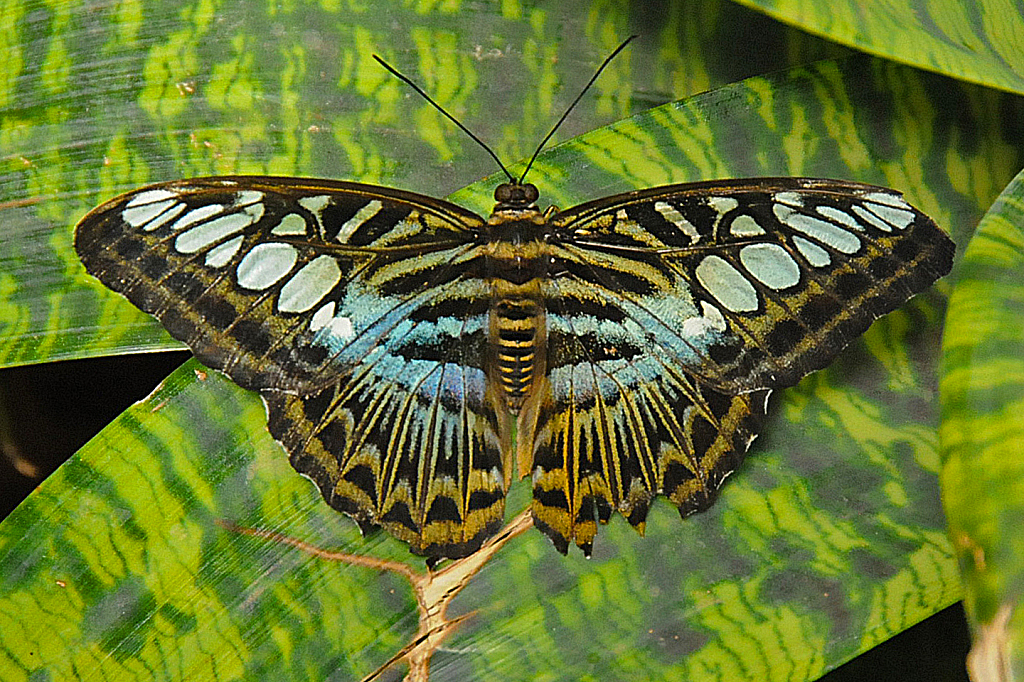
978	42
982	430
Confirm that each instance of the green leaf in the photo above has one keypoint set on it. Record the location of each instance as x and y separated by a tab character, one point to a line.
980	42
982	431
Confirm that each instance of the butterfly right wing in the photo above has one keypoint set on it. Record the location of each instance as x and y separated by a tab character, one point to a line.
674	311
357	313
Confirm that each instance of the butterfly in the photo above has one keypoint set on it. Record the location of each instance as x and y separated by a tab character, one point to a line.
413	355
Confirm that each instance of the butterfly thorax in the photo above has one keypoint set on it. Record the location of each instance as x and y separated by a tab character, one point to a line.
517	254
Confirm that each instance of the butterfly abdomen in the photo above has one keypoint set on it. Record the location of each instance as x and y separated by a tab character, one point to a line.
517	342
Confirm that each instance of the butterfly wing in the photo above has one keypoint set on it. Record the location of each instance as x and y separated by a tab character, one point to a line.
674	311
354	309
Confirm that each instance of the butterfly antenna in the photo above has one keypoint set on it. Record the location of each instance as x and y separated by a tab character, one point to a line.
593	78
451	118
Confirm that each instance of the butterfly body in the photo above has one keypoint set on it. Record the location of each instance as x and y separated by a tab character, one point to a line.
516	263
412	354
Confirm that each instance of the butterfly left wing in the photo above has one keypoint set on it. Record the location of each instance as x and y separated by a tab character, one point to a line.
674	311
354	309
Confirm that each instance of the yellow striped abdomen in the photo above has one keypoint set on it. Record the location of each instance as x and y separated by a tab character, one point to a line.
517	347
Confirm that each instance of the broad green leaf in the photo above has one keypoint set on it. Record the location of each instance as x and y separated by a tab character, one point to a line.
829	540
980	42
982	432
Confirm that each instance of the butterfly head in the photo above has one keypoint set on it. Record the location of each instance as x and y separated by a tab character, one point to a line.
515	195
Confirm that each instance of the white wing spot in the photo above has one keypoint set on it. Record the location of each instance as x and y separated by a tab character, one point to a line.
315	204
292	224
309	285
822	230
794	199
713	315
727	285
894	217
265	265
869	217
255	211
888	199
353	223
669	213
723	204
842	217
219	256
815	255
164	218
152	216
322	317
745	226
248	196
710	320
211	232
341	328
197	215
149	197
771	265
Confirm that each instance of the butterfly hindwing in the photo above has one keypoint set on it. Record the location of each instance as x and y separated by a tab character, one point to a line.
622	425
404	442
352	309
626	420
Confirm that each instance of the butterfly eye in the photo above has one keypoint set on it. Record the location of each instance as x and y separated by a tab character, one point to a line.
515	194
503	192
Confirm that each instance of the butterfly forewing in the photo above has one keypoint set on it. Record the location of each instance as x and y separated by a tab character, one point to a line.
755	283
276	281
622	349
